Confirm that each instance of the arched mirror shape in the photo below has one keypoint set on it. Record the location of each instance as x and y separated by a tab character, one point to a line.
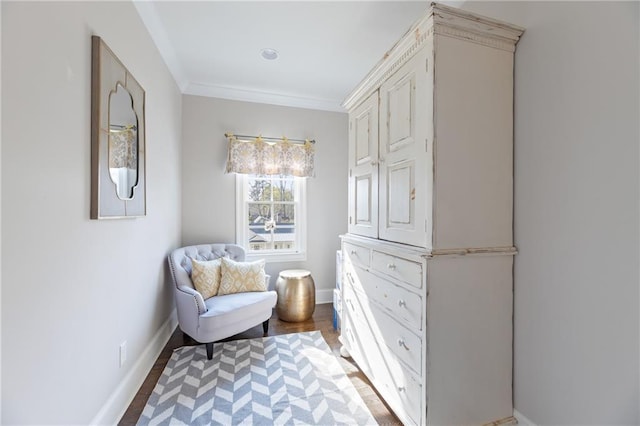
123	143
118	143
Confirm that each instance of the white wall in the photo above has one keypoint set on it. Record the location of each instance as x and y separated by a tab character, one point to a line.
576	210
73	288
208	200
0	220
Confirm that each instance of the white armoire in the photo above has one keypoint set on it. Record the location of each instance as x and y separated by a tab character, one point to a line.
427	272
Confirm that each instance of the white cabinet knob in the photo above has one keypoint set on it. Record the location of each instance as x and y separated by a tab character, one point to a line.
401	389
391	266
402	303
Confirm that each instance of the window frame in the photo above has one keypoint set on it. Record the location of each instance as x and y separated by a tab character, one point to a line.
242	230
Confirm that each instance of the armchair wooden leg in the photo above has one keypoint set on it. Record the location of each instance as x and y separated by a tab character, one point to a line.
265	327
209	350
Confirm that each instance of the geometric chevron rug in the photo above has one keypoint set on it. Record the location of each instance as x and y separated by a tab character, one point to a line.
286	379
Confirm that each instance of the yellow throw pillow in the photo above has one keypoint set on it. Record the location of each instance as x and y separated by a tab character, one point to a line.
239	277
206	276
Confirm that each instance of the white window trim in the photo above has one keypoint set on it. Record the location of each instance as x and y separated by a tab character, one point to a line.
301	230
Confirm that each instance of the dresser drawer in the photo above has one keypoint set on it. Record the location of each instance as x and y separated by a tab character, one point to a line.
353	304
356	342
361	281
358	255
400	302
372	338
405	389
401	342
358	337
396	267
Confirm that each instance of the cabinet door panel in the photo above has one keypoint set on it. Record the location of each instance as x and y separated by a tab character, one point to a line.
363	199
401	98
362	124
363	168
401	185
406	163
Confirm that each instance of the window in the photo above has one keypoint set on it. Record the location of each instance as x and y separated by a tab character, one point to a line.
271	216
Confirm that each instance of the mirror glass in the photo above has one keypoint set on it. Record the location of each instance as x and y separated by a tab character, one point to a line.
123	142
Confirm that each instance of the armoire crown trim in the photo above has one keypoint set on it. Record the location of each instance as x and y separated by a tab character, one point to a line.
442	20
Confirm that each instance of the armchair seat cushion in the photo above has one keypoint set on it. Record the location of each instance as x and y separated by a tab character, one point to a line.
238	304
235	311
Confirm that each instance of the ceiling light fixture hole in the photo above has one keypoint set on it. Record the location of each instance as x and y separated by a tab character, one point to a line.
269	54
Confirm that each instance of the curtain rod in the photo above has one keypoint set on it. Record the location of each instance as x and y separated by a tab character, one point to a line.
268	138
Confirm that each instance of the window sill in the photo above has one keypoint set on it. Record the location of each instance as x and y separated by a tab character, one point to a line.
277	257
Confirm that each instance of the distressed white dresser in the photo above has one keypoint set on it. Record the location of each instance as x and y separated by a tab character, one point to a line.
427	273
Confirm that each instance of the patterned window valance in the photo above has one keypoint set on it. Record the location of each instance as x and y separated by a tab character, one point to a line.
268	156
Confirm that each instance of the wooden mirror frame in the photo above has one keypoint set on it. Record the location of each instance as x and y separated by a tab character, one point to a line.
106	73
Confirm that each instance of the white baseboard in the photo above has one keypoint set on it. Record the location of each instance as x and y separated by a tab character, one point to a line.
117	404
324	296
522	420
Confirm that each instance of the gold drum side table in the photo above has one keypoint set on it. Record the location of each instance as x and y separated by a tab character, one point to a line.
296	295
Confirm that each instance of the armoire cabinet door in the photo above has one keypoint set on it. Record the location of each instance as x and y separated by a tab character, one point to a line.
363	168
406	114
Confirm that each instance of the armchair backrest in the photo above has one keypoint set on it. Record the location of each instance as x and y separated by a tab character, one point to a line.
180	259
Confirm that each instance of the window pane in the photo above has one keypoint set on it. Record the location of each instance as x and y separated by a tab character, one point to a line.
259	214
284	238
279	238
260	240
284	214
259	189
283	190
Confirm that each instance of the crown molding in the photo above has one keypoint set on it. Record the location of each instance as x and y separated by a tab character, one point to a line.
478	25
151	19
247	95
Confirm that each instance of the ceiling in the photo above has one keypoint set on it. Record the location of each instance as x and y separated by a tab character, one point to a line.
325	47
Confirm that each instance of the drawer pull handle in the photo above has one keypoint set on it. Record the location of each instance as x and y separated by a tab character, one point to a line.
391	266
350	278
401	389
354	252
402	344
402	303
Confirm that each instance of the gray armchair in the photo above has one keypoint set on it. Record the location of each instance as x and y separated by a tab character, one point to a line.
218	317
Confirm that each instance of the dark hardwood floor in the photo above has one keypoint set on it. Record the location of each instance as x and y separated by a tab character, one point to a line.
322	320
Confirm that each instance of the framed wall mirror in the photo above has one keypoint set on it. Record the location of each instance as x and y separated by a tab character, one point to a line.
118	180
